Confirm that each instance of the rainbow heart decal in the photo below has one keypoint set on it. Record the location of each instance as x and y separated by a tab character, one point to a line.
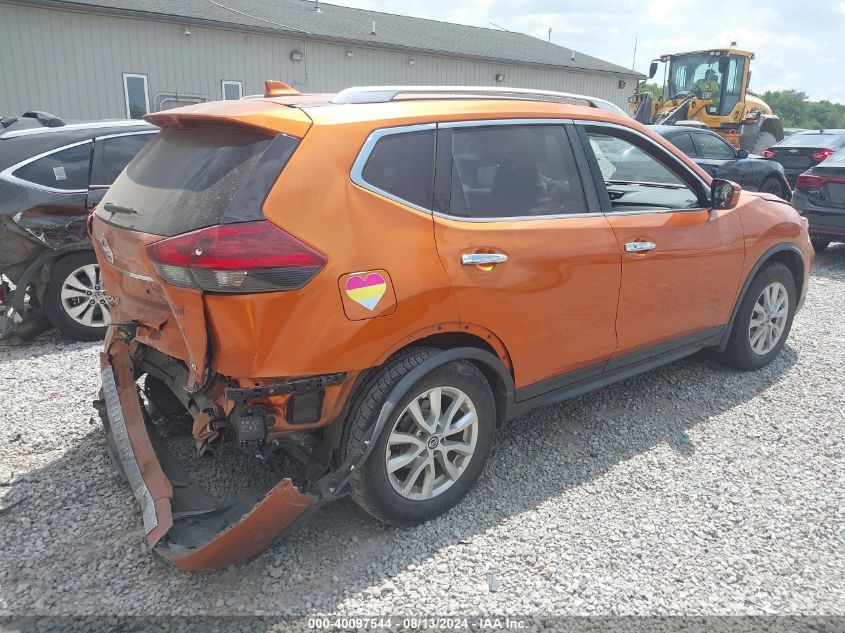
366	290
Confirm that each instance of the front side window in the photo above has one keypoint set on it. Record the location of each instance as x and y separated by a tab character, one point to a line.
636	178
136	95
232	90
65	169
505	171
713	147
402	166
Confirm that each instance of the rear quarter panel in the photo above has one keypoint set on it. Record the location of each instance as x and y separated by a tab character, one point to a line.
306	331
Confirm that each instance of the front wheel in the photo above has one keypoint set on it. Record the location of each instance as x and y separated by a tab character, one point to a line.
75	299
763	320
432	448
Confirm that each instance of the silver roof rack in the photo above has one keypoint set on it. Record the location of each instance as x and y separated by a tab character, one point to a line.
383	94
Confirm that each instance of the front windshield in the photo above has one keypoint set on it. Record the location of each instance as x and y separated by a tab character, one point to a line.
716	79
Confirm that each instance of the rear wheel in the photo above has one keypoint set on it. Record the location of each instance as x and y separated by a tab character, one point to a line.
774	186
763	141
432	448
75	299
763	320
820	245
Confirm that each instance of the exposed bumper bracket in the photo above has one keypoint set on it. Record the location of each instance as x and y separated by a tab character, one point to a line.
301	385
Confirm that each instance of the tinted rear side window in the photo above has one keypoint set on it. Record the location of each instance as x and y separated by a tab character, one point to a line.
684	143
113	154
402	165
65	169
184	180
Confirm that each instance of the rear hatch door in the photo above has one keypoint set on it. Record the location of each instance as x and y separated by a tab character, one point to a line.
198	172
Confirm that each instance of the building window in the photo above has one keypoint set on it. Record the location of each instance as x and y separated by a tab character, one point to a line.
232	90
136	94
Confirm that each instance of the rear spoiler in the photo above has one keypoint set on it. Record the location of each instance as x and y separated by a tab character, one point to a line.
264	116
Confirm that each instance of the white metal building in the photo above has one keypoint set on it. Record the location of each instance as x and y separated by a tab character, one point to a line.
116	58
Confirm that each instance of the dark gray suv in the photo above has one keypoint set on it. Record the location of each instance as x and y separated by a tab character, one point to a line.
50	178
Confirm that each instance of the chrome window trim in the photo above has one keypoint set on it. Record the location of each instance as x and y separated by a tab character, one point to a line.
518	218
8	173
119	134
74	126
658	147
356	173
446	125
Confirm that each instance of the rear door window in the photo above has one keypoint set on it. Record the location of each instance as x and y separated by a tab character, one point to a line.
65	169
402	167
111	155
185	179
503	171
684	143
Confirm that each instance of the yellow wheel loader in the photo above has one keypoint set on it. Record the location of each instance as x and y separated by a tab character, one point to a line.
710	89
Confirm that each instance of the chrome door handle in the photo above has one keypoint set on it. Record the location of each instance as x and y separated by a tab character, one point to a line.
639	247
482	259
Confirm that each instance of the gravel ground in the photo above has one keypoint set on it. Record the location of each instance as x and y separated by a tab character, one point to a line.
692	489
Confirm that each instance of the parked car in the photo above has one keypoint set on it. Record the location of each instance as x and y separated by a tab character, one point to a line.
50	177
803	150
721	160
374	283
820	197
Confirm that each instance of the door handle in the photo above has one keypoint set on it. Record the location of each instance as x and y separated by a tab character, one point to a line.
483	259
639	247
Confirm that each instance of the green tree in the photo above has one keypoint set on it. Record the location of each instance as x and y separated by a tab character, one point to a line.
796	110
655	90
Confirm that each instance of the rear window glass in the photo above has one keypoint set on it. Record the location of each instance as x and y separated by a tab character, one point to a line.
811	140
184	180
65	169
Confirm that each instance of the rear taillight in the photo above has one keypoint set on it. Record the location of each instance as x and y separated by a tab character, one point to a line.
822	154
809	182
237	258
767	153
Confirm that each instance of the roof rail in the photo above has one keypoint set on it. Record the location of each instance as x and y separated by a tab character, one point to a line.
383	94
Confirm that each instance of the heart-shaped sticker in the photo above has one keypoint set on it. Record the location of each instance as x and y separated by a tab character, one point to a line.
366	289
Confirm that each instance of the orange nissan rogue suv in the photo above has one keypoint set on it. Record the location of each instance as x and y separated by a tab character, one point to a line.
373	281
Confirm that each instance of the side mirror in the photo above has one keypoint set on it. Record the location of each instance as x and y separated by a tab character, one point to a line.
724	194
741	153
652	70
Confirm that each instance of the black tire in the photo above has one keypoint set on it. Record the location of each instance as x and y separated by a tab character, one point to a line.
370	486
820	245
774	186
54	308
739	352
763	141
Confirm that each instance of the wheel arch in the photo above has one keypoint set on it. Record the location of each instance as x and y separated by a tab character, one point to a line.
785	253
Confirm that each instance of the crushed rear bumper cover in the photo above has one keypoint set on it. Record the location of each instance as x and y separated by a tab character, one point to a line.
183	525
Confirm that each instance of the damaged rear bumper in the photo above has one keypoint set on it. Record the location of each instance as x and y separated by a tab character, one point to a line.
183	525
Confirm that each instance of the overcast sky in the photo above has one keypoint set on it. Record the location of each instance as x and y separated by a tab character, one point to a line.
799	43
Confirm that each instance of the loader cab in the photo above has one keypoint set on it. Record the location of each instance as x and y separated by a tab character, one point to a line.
720	75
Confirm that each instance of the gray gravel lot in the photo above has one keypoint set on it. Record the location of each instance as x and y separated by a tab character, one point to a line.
692	489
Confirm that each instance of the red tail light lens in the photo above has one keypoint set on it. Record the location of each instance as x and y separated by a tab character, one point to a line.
821	154
237	258
806	182
767	153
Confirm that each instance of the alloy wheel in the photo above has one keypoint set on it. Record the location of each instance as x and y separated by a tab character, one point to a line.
84	297
431	443
768	318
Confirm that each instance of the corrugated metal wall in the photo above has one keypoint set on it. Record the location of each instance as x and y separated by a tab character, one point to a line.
72	64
